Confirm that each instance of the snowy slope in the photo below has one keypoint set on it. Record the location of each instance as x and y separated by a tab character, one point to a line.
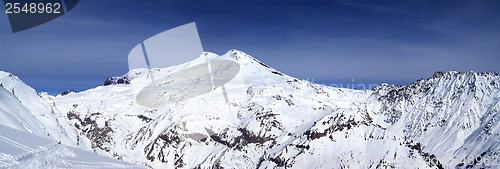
15	115
450	114
51	123
22	150
272	120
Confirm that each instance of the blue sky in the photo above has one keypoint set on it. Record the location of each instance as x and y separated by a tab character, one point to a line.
330	42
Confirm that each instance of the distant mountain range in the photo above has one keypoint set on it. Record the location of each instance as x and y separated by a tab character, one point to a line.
272	120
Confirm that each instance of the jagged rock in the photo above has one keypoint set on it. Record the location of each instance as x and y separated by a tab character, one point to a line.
117	80
67	92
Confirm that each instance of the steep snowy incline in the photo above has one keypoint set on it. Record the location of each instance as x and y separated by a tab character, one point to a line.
53	123
445	111
22	150
15	115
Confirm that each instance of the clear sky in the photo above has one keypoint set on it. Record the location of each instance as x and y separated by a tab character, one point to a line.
332	42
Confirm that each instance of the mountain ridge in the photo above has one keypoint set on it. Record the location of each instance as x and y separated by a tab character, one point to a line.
274	120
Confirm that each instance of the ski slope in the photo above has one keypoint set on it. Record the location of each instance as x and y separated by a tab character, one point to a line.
19	149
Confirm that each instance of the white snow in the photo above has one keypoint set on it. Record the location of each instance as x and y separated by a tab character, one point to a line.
22	150
271	120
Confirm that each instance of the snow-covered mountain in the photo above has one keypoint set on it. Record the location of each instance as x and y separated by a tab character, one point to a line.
34	134
32	110
273	120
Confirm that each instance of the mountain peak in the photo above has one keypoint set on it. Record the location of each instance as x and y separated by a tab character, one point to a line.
440	74
244	58
236	54
250	67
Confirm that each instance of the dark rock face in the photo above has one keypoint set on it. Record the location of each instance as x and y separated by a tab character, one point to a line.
100	136
117	80
67	92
